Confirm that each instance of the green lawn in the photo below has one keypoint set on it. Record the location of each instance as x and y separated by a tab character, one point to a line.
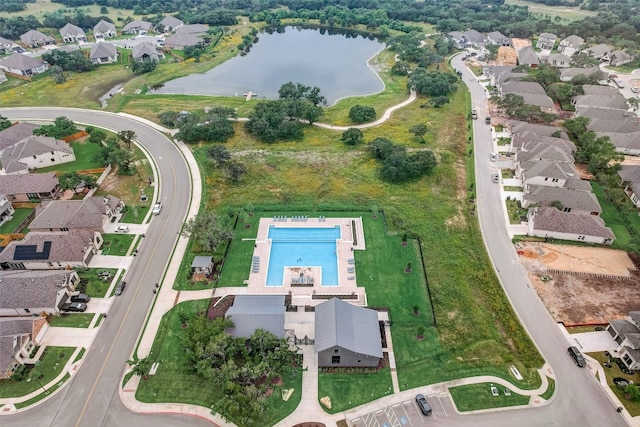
478	396
624	223
94	286
350	389
515	211
51	363
11	226
84	152
41	396
172	383
117	244
183	279
135	213
72	320
550	390
614	371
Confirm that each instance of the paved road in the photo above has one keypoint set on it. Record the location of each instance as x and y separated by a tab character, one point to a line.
92	397
579	400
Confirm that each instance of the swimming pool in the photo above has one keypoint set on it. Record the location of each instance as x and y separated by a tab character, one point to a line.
303	247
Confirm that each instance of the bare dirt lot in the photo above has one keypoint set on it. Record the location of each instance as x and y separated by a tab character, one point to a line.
582	285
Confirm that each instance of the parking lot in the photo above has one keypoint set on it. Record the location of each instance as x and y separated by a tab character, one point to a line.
403	414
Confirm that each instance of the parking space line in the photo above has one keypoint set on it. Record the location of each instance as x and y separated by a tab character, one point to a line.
441	404
392	417
373	421
406	415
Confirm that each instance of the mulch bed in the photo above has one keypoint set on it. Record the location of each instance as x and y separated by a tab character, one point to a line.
215	311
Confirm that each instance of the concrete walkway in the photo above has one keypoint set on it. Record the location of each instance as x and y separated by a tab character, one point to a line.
110	261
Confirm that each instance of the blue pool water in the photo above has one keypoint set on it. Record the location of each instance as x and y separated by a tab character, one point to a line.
303	247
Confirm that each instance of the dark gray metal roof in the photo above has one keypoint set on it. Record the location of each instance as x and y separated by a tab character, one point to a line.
339	323
251	312
202	262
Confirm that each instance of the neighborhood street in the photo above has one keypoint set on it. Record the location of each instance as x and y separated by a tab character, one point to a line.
91	398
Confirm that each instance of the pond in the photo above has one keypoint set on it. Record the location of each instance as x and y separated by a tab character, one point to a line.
334	62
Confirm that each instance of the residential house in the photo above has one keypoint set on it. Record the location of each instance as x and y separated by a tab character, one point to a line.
16	133
570	45
550	222
19	336
35	152
137	27
569	74
202	265
497	38
625	143
7	46
526	141
558	60
22	65
531	92
31	293
3	77
603	125
6	209
347	335
546	41
521	130
90	213
181	40
626	333
630	176
30	186
615	58
476	38
527	56
615	101
145	51
61	250
251	312
499	74
71	33
169	24
600	90
103	53
104	30
575	201
195	29
459	39
545	173
34	38
541	150
598	51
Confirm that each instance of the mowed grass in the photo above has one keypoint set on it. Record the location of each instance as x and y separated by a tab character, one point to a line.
350	389
624	223
71	320
84	152
172	382
117	244
51	363
11	226
96	286
478	396
632	406
564	12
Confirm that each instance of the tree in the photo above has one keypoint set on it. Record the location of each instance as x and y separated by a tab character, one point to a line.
352	136
633	392
4	123
72	180
438	101
75	61
58	74
209	230
597	152
234	170
127	136
419	131
144	66
140	367
96	136
61	127
432	83
400	68
362	113
269	122
218	154
112	154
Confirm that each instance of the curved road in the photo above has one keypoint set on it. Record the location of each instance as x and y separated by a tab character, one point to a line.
91	399
579	399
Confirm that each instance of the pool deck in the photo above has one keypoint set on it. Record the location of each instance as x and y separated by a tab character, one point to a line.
307	293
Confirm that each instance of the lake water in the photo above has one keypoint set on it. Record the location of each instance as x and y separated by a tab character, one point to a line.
335	63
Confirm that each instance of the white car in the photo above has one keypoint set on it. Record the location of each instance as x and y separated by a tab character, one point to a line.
635	90
493	157
122	229
495	177
157	208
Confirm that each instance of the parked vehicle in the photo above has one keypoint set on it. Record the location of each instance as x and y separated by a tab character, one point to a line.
80	298
474	114
577	356
493	157
422	403
487	120
74	306
157	208
122	229
120	287
495	178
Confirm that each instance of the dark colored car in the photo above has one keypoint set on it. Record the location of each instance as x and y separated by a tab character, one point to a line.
120	287
80	298
74	306
487	120
423	404
577	356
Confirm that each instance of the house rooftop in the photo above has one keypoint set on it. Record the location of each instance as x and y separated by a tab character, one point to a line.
201	261
28	183
571	199
16	133
10	329
102	50
31	146
70	214
527	56
179	40
18	61
549	169
538	129
30	288
251	312
551	219
54	247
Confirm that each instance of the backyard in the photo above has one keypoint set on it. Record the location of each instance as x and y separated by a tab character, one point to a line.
50	366
11	226
84	152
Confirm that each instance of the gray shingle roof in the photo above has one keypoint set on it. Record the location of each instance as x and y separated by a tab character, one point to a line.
21	62
71	29
104	27
572	41
339	323
623	327
600	90
549	169
540	130
577	184
31	146
10	329
523	87
551	219
548	36
70	214
603	113
527	56
170	21
34	37
569	73
180	40
137	25
635	317
616	101
193	29
28	183
618	126
201	262
630	173
598	50
474	36
623	141
535	143
251	312
16	133
572	199
66	246
30	288
542	151
102	50
634	339
142	49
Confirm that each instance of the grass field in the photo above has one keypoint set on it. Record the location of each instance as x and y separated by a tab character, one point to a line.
478	396
11	226
41	8
52	361
172	383
348	390
71	320
117	244
563	12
